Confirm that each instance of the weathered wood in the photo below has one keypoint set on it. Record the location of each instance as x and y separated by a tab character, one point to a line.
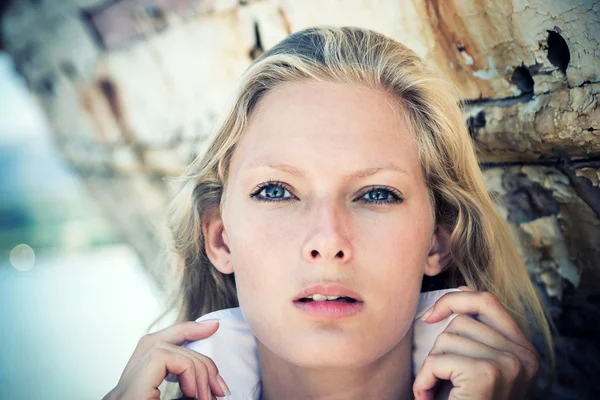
548	220
549	126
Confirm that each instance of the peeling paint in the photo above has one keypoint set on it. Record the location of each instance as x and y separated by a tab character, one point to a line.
590	174
468	59
490	73
550	125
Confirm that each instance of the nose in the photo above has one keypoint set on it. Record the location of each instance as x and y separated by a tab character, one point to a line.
329	237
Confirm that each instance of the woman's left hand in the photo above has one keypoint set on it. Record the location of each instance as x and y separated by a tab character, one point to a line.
482	354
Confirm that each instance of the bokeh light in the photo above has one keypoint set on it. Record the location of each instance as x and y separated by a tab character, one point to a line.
22	257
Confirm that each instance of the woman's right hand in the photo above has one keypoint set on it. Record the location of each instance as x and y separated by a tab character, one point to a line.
159	354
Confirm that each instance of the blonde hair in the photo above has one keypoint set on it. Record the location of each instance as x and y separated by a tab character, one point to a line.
483	254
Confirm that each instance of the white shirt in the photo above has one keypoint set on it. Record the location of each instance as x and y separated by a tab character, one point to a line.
233	347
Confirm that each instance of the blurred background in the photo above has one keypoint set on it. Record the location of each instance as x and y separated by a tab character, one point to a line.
74	298
104	102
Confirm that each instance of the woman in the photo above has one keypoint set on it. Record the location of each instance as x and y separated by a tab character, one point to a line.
344	169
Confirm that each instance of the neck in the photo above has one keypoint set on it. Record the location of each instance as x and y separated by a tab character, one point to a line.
389	377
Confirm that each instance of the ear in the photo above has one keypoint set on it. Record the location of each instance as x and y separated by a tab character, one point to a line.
439	253
216	241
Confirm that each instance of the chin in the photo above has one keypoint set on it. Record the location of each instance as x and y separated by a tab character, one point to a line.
331	353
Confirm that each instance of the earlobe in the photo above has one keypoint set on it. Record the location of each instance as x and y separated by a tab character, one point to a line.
439	254
216	242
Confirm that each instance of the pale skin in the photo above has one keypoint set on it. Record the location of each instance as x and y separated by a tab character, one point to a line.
326	186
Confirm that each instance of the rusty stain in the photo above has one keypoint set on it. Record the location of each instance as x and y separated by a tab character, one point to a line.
454	40
445	35
88	105
284	20
111	94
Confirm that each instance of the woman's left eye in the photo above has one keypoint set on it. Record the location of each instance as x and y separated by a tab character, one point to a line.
379	195
272	191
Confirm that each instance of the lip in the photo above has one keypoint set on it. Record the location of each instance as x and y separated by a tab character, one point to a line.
329	310
329	290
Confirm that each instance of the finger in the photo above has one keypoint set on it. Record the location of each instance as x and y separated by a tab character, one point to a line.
159	362
202	378
186	331
451	343
202	382
216	381
482	305
468	327
176	334
468	376
206	370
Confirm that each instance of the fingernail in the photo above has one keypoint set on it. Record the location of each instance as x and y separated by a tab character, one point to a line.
427	314
223	386
208	321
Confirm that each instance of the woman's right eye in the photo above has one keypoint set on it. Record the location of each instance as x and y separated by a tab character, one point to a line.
271	191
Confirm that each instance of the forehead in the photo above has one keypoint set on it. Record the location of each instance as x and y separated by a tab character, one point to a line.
324	123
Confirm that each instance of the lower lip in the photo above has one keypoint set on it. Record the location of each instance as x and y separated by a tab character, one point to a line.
329	309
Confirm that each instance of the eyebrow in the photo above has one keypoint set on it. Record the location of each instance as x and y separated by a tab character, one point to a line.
360	174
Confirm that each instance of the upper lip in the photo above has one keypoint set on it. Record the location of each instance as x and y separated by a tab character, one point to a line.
328	290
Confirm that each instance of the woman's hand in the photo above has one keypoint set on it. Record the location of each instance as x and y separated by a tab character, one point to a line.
482	354
159	354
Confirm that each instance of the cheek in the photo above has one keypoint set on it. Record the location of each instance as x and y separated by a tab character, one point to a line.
399	244
260	236
395	254
395	274
262	254
267	233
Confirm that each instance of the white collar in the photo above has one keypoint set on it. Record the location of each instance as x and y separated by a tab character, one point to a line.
233	346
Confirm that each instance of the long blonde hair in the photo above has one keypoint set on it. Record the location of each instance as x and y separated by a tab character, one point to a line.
483	254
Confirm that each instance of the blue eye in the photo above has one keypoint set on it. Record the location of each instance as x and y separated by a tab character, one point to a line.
379	195
271	191
274	191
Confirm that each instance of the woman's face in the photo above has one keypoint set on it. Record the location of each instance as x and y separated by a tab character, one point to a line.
326	188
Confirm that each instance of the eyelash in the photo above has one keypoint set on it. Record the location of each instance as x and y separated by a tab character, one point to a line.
395	196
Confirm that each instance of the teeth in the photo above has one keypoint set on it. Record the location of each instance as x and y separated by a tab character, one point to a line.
320	297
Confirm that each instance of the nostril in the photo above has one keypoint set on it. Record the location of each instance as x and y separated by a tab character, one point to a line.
315	254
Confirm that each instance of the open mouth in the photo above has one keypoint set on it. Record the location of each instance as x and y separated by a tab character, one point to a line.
329	307
315	298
